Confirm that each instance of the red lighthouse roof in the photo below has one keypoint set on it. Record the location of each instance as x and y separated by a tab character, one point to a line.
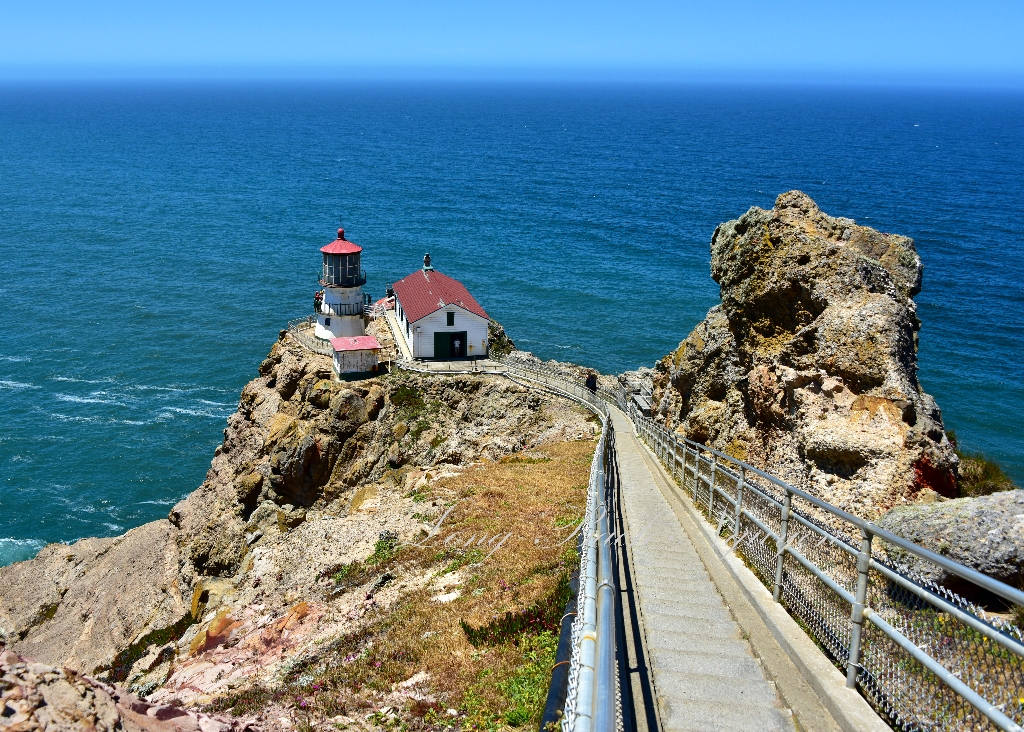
341	245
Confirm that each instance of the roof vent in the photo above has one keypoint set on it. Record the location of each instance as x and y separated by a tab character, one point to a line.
341	233
427	267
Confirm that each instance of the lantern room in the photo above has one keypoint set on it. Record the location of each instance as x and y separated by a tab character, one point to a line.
341	263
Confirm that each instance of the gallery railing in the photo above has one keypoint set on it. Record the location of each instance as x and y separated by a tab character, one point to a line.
302	330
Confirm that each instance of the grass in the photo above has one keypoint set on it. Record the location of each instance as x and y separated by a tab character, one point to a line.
979	476
489	652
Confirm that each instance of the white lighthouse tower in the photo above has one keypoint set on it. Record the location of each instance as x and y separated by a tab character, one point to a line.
339	306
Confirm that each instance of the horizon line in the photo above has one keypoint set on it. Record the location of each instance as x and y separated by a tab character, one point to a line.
476	74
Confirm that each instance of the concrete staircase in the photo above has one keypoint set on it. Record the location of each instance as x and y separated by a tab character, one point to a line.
705	674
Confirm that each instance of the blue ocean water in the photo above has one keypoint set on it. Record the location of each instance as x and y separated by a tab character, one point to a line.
154	239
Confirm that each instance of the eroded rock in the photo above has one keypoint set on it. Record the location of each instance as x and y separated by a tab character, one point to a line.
808	368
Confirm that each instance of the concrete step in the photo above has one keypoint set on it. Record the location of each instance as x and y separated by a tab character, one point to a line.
717	690
710	624
683	716
700	643
710	661
685	606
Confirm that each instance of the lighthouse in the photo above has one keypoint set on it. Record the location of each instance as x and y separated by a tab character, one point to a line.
339	305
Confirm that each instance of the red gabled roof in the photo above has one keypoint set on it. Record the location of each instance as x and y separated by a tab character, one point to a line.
355	343
341	245
426	292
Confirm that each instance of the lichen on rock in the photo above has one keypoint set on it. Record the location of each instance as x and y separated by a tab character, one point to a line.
808	368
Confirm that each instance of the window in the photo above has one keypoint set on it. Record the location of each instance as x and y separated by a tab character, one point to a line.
327	322
451	318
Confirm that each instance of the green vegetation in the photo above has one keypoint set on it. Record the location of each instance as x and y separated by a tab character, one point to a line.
544	615
123	661
979	476
499	344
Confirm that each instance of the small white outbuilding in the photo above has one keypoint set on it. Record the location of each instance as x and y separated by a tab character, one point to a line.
355	354
438	317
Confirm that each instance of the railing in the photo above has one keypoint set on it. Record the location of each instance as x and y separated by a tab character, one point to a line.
923	656
337	308
302	331
347	281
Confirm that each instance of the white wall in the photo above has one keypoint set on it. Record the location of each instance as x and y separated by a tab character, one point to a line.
347	362
347	295
422	342
348	326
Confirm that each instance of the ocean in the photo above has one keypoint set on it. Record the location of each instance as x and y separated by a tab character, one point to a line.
154	238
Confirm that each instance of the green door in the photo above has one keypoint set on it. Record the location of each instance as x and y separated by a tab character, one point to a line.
442	345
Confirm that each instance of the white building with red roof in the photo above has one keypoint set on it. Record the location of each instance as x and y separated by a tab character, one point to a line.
438	317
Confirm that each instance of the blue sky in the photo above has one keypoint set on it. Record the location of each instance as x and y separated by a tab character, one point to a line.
938	41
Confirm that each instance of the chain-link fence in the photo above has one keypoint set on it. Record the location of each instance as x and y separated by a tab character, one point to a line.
924	657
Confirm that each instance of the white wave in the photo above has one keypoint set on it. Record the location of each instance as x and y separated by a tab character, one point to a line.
164	502
114	527
15	359
72	418
199	413
128	421
7	541
217	404
17	385
85	400
73	380
16	550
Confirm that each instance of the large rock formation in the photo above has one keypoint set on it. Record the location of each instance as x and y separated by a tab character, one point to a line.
808	368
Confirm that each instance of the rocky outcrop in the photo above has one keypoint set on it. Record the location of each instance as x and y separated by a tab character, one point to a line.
310	471
35	697
79	605
808	368
986	534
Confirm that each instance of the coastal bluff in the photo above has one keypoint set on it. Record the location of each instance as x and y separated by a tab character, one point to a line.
312	472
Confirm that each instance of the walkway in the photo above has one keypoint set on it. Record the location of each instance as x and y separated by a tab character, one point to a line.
704	672
398	334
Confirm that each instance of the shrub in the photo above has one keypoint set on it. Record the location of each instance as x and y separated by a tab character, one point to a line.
979	476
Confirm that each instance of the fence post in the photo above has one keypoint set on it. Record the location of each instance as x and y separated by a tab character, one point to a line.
739	503
711	487
857	612
781	548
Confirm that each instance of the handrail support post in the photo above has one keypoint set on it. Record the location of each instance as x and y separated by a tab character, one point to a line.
787	503
857	611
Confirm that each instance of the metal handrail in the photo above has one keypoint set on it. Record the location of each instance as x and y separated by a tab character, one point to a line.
300	328
667	445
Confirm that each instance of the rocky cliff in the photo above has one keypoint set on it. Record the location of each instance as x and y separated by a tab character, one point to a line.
313	477
808	368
